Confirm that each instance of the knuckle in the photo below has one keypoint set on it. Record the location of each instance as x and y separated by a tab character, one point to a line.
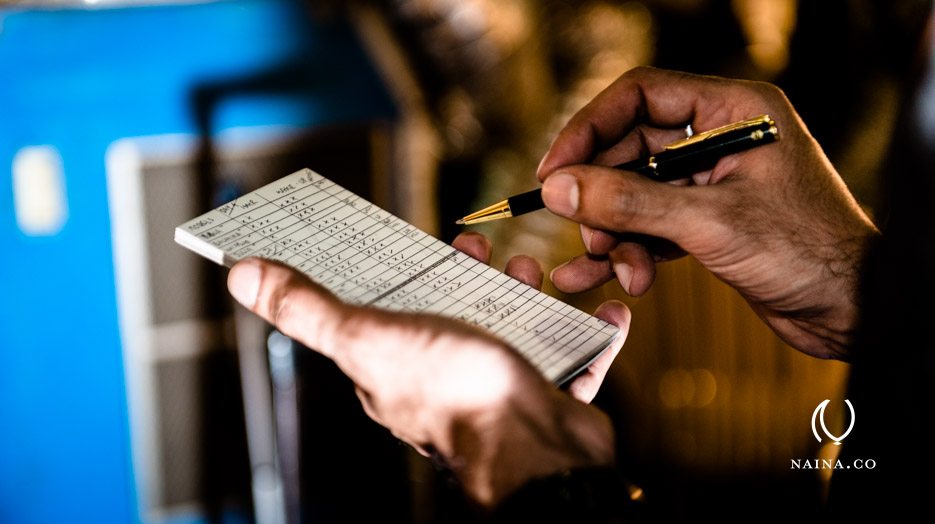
281	302
626	205
352	327
771	91
769	94
639	71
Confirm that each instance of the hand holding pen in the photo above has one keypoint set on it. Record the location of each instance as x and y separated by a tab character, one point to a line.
775	222
677	160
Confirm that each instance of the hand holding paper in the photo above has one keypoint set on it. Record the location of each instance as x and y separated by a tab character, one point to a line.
443	386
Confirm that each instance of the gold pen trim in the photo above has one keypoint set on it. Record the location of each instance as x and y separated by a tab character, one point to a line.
760	127
705	135
493	212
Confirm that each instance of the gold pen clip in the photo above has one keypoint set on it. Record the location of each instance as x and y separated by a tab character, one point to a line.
762	124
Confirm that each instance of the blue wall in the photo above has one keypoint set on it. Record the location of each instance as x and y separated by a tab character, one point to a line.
79	80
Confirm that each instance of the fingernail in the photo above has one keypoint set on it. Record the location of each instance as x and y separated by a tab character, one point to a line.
244	283
541	162
560	194
624	275
556	268
586	234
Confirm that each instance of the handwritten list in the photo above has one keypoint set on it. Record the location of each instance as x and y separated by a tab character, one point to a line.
367	256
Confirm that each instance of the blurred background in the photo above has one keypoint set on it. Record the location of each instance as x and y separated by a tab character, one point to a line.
132	390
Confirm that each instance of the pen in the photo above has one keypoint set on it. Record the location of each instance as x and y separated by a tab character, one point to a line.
679	159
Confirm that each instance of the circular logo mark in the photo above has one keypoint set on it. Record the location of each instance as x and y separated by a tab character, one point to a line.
819	416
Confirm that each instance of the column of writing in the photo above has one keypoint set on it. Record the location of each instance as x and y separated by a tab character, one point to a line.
367	256
416	272
355	249
297	236
465	289
292	221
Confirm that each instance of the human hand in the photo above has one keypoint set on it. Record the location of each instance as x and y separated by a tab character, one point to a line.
440	385
776	222
528	271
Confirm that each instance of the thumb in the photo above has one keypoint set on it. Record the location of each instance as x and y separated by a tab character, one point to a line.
298	307
622	201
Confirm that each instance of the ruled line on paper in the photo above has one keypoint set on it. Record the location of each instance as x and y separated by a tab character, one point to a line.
367	256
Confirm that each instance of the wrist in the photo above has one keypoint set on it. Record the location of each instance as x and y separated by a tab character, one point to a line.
528	440
835	330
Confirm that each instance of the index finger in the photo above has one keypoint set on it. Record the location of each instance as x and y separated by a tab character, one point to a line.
665	99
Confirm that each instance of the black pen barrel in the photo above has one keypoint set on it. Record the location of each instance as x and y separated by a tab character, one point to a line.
526	202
